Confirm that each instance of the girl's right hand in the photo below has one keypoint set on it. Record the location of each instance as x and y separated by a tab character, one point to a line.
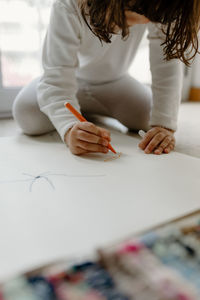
85	137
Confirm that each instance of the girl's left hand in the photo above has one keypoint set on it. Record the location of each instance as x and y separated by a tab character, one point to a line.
158	140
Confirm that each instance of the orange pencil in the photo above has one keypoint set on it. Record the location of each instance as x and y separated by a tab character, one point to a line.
82	119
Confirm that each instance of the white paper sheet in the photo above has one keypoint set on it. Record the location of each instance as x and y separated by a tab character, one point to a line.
81	203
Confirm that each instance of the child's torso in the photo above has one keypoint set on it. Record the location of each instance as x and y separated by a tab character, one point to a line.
105	61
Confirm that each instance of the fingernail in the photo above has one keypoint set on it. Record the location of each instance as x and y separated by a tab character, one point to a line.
158	152
147	151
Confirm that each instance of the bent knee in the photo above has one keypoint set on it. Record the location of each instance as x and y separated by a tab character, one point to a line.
29	117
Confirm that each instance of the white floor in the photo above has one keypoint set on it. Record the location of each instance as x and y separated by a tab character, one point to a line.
187	135
8	127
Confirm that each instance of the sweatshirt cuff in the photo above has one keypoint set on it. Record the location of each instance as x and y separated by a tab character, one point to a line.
159	119
62	131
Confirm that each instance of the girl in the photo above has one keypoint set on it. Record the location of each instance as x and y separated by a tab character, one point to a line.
87	51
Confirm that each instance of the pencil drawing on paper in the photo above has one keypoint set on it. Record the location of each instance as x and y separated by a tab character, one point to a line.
118	155
34	179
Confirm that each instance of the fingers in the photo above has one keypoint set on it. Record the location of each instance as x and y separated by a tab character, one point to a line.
147	138
170	147
85	137
158	140
91	138
92	147
78	151
91	128
164	144
155	141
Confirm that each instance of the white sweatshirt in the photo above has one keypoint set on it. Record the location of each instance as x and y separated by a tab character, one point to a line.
71	51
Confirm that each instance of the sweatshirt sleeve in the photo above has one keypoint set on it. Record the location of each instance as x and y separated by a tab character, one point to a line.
59	60
166	82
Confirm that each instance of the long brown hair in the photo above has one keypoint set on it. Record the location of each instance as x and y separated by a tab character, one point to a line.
180	20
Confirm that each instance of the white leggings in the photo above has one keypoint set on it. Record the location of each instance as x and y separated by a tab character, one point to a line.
125	99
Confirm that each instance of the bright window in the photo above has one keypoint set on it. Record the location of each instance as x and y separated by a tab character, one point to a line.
23	25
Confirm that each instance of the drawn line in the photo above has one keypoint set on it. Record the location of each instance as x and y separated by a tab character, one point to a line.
66	175
113	157
33	178
14	181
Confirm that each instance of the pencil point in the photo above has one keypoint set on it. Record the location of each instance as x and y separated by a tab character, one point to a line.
112	149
